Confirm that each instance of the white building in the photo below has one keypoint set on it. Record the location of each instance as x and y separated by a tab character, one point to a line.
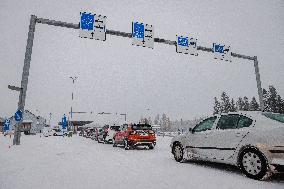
31	122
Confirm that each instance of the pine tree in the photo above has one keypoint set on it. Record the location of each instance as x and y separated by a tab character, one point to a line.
157	119
280	104
217	106
240	104
225	103
272	99
164	121
253	106
233	107
265	100
246	104
149	121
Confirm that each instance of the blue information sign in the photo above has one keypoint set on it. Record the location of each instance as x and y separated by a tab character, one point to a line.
138	30
6	125
64	122
218	48
182	41
87	21
18	115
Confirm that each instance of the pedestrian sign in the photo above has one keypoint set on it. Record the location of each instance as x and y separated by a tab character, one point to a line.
18	115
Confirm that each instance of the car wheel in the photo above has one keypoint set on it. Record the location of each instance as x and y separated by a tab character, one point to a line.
126	145
178	152
114	144
151	146
253	164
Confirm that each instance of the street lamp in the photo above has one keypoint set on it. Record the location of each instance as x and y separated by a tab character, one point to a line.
73	81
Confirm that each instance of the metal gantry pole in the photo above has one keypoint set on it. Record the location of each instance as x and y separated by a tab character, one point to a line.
25	78
34	20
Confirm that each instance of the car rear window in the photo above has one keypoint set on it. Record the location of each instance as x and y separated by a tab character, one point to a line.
275	116
115	128
142	127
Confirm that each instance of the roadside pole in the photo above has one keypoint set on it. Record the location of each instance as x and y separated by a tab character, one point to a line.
25	77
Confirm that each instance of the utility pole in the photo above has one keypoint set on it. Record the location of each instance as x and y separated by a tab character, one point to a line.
73	81
49	119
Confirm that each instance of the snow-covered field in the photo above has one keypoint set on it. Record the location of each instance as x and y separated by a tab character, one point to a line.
77	162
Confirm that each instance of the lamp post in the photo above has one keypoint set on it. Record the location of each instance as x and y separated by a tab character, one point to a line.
49	119
73	81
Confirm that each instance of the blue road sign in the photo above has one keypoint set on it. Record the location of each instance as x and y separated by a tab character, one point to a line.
64	122
18	115
87	21
138	30
182	41
218	48
6	125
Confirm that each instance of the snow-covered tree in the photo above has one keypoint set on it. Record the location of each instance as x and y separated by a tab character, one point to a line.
253	106
217	106
225	103
240	104
246	104
233	107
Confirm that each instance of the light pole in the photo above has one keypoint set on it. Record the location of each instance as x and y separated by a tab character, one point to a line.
49	119
73	81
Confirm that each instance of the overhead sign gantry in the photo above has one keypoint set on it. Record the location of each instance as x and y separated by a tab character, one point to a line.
93	26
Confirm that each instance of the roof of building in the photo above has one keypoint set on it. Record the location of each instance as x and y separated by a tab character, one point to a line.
78	123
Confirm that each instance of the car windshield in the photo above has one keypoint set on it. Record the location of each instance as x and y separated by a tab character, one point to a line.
275	116
142	127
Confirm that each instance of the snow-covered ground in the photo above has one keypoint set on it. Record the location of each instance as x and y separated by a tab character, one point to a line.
77	162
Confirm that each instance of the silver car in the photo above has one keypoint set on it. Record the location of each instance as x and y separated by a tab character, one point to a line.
253	141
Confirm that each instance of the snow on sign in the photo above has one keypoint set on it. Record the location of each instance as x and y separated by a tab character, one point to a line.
222	52
92	26
186	45
142	35
18	115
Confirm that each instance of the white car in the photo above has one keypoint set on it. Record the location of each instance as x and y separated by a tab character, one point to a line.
253	141
111	131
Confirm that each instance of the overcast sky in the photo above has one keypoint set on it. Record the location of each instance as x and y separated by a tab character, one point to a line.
114	76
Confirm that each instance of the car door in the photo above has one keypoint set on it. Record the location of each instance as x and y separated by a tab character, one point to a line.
230	130
198	144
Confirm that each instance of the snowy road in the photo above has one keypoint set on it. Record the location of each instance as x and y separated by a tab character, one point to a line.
77	162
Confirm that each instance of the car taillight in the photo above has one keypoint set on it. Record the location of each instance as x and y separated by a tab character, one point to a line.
133	132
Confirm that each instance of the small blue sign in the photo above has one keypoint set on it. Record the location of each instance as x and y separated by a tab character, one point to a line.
138	30
18	115
64	122
87	21
6	125
218	48
182	41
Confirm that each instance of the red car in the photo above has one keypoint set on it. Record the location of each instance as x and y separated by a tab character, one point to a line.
135	135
